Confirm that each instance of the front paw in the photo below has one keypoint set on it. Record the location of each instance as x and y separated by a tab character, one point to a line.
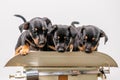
24	51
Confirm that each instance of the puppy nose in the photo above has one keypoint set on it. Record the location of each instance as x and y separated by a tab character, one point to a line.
61	50
88	51
41	42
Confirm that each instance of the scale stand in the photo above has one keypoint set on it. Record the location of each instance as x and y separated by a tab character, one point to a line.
42	65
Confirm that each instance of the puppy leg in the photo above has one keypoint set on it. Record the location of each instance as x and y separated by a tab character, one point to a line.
71	47
18	50
52	47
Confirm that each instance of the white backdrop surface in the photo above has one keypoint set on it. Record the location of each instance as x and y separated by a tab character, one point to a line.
104	14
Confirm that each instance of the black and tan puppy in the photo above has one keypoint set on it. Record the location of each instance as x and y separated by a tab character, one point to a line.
88	38
35	36
63	36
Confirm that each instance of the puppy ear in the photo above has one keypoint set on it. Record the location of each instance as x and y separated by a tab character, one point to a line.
81	33
73	31
24	26
52	29
48	21
82	29
102	34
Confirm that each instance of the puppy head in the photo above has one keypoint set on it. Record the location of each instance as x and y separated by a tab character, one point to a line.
62	36
89	38
38	30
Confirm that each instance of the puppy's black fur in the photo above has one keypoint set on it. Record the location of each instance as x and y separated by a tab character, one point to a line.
88	38
74	22
35	37
63	36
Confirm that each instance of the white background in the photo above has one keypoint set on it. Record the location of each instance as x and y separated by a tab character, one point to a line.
102	13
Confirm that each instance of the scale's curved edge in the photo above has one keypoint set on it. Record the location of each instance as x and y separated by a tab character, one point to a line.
114	62
67	59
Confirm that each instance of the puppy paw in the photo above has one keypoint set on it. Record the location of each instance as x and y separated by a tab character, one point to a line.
71	47
22	50
17	51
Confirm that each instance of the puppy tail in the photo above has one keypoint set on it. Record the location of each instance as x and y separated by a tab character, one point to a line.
74	22
20	17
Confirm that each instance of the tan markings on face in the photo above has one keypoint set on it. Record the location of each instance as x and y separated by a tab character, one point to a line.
65	37
93	39
86	37
94	48
82	48
58	37
36	29
43	28
36	41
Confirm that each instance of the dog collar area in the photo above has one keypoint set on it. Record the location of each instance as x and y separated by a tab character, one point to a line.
42	63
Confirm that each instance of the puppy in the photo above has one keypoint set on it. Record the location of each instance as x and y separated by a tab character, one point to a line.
34	37
88	38
63	36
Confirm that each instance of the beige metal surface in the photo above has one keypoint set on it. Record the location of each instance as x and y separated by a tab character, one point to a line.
79	77
67	59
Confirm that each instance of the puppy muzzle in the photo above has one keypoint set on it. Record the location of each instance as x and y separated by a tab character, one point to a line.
88	50
60	49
